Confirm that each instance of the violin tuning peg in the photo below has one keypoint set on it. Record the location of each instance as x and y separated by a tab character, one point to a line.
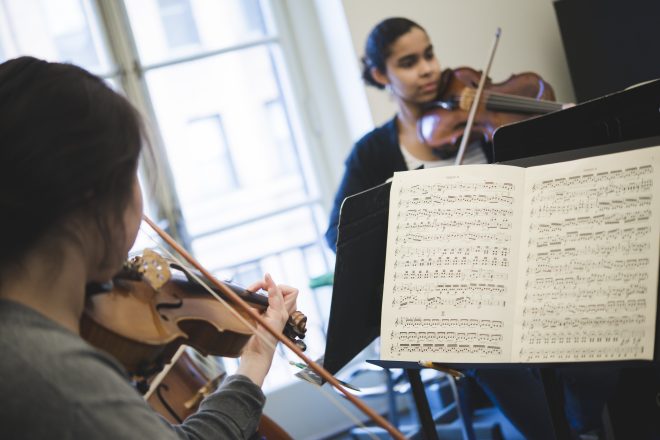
301	344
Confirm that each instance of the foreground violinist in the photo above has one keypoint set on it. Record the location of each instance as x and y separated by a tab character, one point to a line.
71	208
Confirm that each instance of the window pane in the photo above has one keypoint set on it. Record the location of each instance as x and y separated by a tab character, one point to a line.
227	139
178	23
56	30
247	196
166	29
255	240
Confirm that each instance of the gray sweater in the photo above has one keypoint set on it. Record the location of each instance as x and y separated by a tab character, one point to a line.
54	385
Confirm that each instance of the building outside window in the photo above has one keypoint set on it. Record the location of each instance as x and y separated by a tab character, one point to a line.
178	23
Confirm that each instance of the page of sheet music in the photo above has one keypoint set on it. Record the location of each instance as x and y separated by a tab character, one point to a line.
451	256
589	279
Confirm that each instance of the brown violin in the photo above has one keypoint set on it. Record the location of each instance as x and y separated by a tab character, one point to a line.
443	121
153	307
187	382
268	328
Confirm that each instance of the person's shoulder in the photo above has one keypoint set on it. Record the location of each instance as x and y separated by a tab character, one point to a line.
40	351
378	135
62	387
380	140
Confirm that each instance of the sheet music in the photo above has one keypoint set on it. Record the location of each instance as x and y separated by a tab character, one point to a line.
450	264
589	279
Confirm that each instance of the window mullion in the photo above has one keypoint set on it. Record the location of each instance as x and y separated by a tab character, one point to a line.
211	53
155	163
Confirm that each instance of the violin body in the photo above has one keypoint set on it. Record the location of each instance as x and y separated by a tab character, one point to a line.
443	121
185	385
148	313
143	327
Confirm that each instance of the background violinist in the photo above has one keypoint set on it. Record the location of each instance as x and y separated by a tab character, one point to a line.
399	57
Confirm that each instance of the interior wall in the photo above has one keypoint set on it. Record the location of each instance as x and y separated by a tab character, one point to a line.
462	32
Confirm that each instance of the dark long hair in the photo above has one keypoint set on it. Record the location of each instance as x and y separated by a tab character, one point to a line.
379	45
68	143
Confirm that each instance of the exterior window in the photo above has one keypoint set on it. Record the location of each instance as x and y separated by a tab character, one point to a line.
57	30
242	180
206	168
178	23
68	26
277	125
210	76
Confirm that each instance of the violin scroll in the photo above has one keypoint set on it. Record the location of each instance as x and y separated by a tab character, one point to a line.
295	329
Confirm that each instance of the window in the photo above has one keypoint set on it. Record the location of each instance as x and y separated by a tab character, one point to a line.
206	167
166	29
68	26
57	30
276	121
178	23
211	77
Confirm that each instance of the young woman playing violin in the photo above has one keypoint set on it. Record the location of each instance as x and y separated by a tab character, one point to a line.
71	207
398	57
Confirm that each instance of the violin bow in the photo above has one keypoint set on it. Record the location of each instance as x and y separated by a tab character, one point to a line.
276	334
475	101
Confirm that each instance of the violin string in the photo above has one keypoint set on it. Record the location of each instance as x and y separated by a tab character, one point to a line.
256	332
522	103
527	103
471	93
533	105
516	101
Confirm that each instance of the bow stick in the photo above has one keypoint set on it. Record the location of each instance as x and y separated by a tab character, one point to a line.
278	335
475	101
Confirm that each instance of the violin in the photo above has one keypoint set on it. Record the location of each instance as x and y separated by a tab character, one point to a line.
189	380
153	306
443	121
145	340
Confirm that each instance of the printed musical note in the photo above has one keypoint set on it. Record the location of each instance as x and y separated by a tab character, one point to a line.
452	266
553	263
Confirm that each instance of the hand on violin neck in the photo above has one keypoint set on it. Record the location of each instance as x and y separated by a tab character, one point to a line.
259	351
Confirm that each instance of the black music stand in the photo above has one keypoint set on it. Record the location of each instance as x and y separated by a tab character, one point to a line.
617	122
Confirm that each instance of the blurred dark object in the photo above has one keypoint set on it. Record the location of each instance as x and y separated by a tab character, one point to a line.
609	44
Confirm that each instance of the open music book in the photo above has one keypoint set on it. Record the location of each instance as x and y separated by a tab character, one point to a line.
553	263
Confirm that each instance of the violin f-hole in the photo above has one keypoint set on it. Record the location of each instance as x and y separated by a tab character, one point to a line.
175	305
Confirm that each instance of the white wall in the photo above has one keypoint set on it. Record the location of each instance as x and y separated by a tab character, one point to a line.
462	32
